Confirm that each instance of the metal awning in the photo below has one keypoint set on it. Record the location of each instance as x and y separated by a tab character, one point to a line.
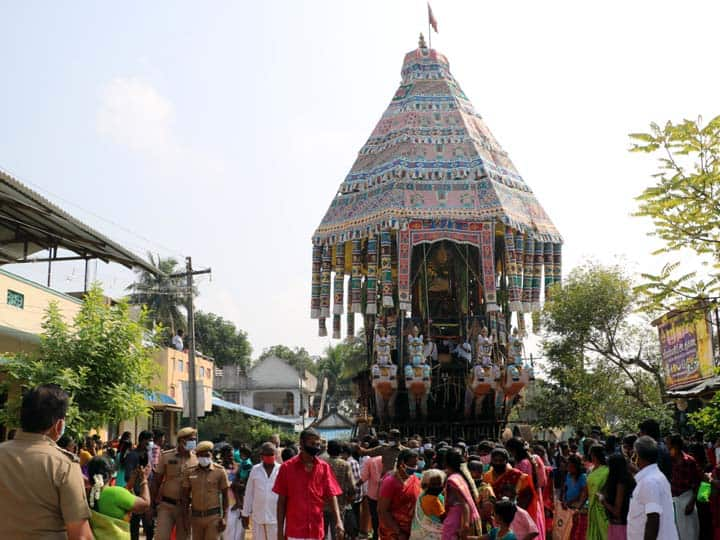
158	399
30	224
217	402
697	389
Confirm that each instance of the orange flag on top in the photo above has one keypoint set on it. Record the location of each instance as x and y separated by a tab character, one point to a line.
432	21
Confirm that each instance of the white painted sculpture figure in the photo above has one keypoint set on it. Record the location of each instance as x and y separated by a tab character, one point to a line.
485	347
482	381
516	349
417	375
384	377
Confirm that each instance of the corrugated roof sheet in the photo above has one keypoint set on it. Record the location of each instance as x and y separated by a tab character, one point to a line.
217	402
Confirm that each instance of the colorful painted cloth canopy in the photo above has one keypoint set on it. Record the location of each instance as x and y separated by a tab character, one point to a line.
430	171
431	156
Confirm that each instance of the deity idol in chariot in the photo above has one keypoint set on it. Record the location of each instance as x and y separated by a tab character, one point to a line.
517	376
384	376
417	375
485	347
483	381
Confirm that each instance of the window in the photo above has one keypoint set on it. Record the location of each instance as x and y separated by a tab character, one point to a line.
180	366
202	372
15	299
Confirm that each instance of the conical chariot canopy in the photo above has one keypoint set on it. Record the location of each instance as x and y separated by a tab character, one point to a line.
431	156
432	172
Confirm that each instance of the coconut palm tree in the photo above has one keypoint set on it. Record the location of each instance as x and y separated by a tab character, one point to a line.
161	294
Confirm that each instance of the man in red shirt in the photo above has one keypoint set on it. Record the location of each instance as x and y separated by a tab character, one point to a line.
303	484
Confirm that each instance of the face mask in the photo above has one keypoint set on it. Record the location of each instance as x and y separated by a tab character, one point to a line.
190	445
312	450
392	443
410	470
62	430
150	446
204	461
421	465
435	491
268	460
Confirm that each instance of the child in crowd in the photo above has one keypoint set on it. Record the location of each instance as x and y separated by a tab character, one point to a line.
432	501
505	511
234	529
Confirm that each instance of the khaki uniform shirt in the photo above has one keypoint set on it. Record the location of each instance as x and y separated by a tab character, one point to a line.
171	466
206	484
41	488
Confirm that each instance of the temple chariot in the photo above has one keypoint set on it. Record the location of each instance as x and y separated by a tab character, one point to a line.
438	244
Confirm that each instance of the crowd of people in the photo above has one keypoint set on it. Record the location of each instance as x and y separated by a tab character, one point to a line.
384	486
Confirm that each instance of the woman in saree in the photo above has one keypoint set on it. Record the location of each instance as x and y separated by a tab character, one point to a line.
462	517
502	474
534	468
597	517
615	497
398	496
111	504
430	507
714	479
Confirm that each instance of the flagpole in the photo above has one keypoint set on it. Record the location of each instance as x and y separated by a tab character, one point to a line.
429	30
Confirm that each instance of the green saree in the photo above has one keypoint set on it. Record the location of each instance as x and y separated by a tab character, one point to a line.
597	518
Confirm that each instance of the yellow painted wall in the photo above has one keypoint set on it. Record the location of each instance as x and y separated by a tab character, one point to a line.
20	327
174	370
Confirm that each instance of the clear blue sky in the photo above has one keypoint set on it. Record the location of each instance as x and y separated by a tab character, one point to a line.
246	116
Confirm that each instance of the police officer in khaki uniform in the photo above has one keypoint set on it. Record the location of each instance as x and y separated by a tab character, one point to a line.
206	485
166	486
42	492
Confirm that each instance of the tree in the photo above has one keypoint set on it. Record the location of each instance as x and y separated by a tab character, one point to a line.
684	206
104	361
161	294
297	357
246	429
601	363
218	337
339	364
707	419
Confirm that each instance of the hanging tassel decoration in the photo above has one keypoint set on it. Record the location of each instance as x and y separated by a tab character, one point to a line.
355	291
528	273
325	283
372	271
549	261
514	282
557	256
537	275
315	290
386	269
339	281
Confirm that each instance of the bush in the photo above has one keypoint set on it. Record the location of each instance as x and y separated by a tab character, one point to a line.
250	431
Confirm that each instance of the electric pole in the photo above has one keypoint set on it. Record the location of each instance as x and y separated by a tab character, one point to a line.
192	375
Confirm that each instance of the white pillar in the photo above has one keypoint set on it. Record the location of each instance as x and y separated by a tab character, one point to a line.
297	403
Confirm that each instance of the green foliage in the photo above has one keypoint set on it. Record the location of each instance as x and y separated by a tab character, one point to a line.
603	368
684	206
162	295
250	431
297	357
707	419
104	361
218	337
340	363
